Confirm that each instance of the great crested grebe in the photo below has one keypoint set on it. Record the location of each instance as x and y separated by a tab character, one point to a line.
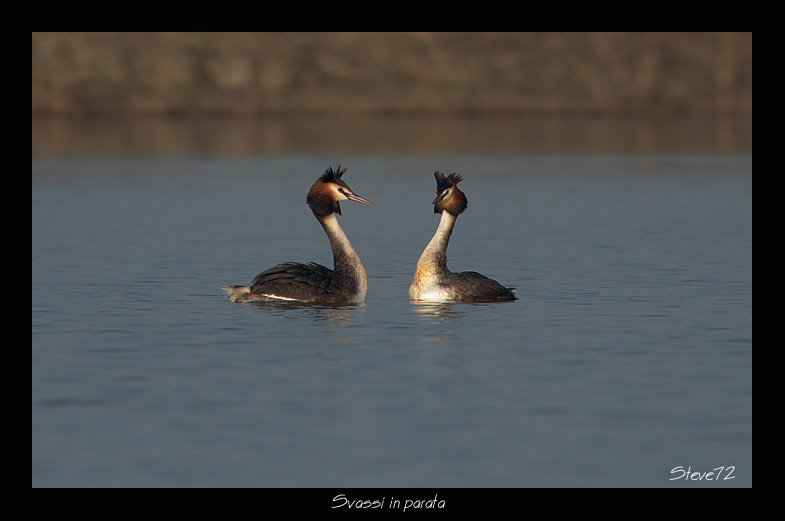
347	283
433	281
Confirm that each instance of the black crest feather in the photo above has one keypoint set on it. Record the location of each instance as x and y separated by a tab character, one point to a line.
332	174
443	182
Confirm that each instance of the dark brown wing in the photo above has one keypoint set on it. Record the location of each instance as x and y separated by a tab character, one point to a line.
309	282
478	288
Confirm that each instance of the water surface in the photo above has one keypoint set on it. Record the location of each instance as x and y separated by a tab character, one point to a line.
629	353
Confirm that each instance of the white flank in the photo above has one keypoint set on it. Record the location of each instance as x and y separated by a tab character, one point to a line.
268	295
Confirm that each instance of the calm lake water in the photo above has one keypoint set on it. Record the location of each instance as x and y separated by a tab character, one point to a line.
627	358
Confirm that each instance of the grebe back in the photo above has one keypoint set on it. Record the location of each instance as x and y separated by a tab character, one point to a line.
310	282
433	281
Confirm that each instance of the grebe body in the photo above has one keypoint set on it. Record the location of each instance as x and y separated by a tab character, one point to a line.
433	281
346	283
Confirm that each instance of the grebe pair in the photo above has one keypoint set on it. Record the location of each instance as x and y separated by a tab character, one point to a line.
347	283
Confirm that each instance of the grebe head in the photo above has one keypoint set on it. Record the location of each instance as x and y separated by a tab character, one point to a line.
448	196
329	190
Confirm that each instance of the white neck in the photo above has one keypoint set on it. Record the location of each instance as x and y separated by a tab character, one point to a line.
435	254
345	259
432	266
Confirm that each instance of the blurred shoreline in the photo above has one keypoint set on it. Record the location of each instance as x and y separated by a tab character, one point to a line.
362	74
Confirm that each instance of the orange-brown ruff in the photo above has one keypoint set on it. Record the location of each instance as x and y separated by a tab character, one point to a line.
309	282
433	281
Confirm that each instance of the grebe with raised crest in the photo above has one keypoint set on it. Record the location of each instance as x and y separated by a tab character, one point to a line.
433	281
346	283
